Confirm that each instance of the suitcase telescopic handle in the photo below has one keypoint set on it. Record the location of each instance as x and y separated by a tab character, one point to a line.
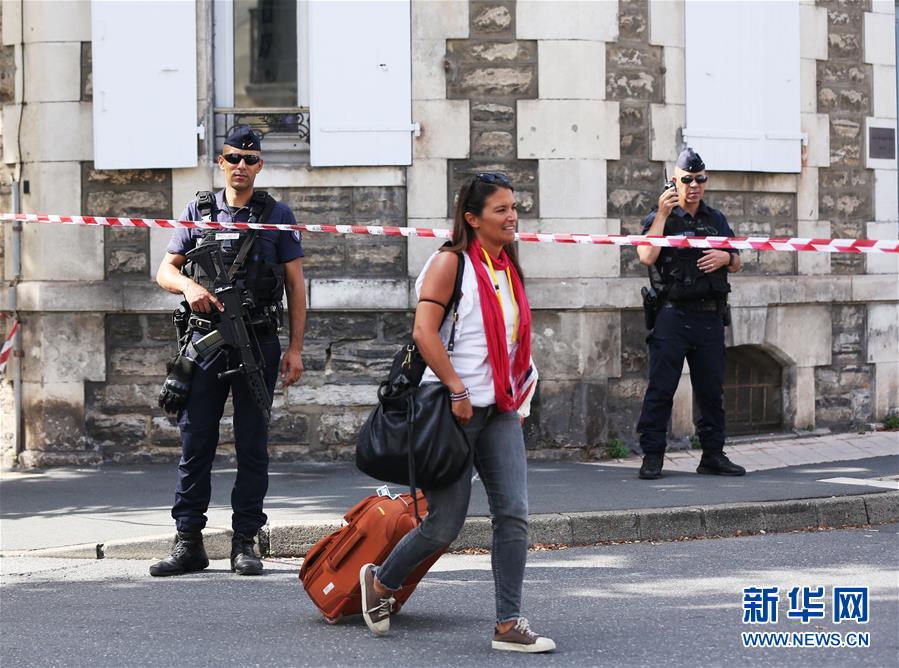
344	550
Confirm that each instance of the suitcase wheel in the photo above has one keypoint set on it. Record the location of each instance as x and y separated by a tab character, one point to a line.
333	620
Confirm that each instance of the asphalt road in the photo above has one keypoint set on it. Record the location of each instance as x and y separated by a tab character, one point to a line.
671	604
70	506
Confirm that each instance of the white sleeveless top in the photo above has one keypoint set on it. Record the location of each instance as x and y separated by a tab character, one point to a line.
469	357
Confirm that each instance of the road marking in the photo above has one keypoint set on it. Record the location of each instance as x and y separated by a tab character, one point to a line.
863	482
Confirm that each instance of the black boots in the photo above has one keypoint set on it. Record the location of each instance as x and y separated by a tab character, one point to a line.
715	463
652	467
718	464
243	557
188	555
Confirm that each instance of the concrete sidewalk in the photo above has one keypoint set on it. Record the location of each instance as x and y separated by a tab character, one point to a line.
794	483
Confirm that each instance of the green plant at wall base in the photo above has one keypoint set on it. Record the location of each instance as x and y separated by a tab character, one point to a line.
891	421
694	442
617	449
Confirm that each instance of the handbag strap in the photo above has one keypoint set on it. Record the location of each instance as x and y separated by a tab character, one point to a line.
410	426
454	303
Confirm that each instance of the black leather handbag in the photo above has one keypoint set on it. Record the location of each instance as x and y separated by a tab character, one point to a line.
412	436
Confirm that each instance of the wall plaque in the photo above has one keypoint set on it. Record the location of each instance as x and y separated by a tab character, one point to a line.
882	143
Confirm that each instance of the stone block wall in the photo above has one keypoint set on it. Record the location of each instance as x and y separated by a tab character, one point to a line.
582	105
329	256
346	355
492	70
143	193
844	388
846	187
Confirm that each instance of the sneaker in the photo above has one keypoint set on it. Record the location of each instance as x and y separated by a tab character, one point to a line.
188	555
520	638
652	467
375	608
719	464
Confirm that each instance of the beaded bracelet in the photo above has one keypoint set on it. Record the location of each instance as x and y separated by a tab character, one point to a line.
460	396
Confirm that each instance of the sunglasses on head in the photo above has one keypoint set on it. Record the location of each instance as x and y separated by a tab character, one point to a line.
687	179
235	158
497	178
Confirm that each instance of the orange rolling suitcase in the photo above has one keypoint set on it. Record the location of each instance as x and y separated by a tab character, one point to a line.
330	571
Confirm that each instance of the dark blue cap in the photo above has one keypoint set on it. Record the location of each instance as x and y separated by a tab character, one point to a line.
689	161
245	137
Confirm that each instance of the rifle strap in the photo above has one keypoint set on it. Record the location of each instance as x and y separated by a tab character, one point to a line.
261	204
206	205
242	254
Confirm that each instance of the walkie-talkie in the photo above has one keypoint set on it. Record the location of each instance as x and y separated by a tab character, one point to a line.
669	183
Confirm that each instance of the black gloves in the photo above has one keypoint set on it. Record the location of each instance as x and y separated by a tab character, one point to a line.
173	394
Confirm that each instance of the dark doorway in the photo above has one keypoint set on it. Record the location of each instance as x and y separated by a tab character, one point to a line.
753	391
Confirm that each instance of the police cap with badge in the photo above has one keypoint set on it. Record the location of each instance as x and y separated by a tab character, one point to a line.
245	137
689	161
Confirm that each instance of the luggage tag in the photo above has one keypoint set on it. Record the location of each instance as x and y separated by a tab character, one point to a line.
384	490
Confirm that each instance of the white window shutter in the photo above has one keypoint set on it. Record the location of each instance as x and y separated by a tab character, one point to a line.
742	80
360	79
145	84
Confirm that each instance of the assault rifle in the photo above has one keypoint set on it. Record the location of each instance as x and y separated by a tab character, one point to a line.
231	326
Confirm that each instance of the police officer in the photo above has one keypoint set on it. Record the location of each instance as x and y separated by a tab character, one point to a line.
691	287
272	266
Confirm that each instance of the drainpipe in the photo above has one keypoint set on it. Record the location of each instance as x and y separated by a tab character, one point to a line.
12	302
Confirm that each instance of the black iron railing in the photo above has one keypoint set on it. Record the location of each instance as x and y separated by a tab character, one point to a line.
285	123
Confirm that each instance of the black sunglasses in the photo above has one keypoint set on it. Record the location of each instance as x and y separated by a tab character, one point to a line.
235	158
687	179
494	178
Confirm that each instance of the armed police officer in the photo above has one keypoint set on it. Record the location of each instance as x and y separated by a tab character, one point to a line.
688	303
232	282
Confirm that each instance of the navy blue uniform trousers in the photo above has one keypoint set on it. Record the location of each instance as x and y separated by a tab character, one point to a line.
199	423
698	337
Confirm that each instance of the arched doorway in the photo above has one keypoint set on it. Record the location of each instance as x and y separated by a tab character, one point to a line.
753	391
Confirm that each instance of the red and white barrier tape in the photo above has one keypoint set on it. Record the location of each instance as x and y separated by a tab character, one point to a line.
6	350
738	243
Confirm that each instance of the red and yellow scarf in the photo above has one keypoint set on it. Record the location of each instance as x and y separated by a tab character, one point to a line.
509	393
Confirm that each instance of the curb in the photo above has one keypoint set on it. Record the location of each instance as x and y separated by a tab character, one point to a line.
584	528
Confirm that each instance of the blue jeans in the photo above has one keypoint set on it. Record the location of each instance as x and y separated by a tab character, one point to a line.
501	463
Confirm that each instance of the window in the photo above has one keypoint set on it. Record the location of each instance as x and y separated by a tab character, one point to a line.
265	53
330	78
261	73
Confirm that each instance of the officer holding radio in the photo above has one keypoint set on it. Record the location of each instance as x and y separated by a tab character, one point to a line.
686	312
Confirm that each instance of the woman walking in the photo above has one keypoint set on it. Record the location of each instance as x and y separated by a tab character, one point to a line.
489	376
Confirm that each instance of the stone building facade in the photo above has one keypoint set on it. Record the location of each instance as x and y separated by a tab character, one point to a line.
583	105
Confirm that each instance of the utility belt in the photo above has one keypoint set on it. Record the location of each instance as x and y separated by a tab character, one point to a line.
706	304
263	319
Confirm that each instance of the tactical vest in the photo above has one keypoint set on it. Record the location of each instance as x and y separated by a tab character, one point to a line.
675	275
263	280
